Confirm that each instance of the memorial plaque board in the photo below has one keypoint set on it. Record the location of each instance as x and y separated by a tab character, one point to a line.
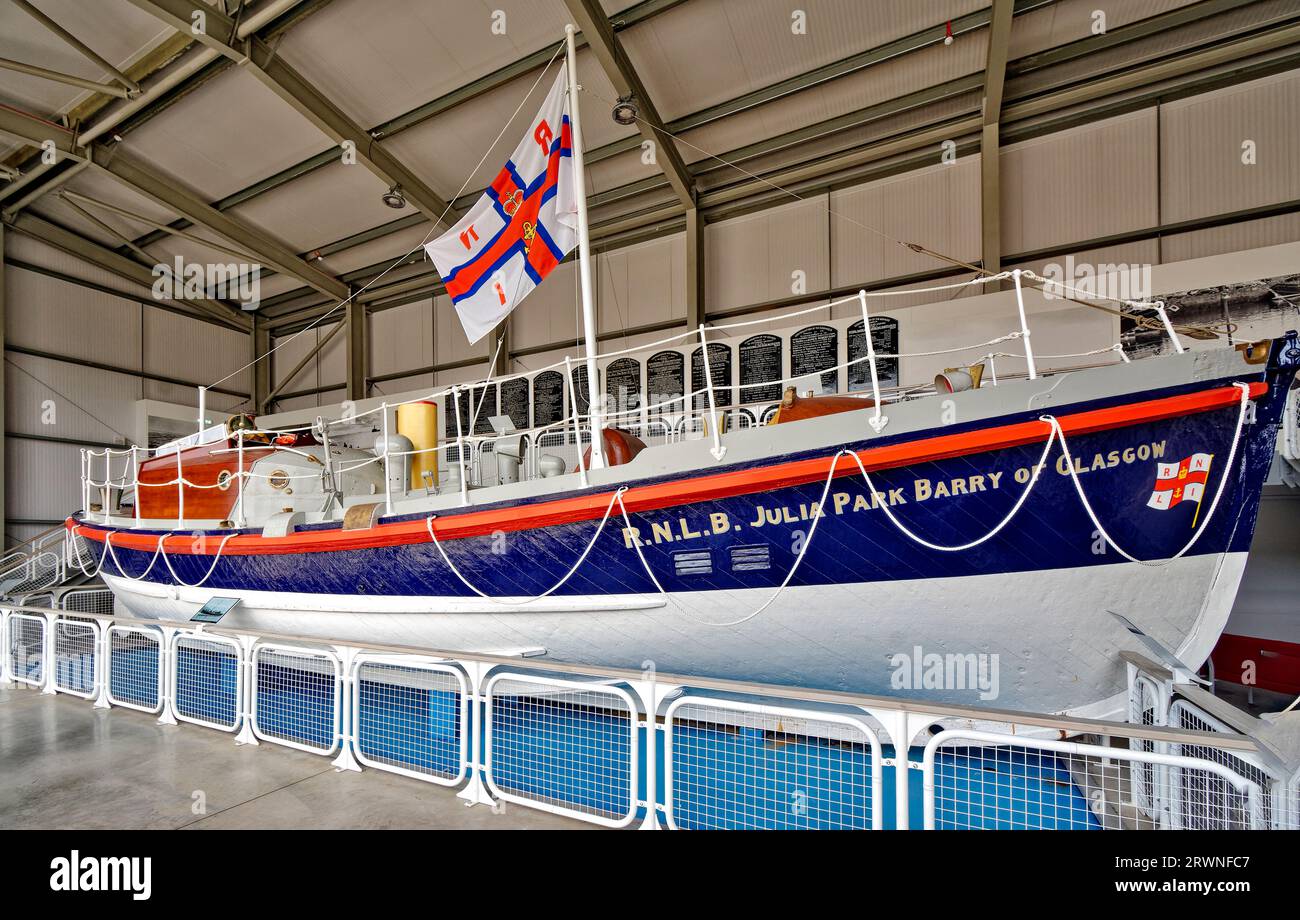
760	368
719	373
814	349
623	386
884	337
548	398
514	401
666	380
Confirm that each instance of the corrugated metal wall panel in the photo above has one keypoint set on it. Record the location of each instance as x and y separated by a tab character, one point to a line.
1071	20
85	402
61	317
938	206
752	259
289	350
26	249
42	480
332	362
640	284
1080	184
550	314
1251	234
176	346
401	338
1202	139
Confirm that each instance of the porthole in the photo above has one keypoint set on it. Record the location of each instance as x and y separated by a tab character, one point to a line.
223	480
278	479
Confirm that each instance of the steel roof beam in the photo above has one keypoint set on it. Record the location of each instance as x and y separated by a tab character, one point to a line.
299	92
168	193
112	261
995	76
595	26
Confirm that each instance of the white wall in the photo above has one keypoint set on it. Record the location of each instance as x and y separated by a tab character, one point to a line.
48	398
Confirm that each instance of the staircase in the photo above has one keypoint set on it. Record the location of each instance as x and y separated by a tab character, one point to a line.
41	564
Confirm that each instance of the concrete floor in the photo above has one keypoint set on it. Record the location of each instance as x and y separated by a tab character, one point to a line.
67	765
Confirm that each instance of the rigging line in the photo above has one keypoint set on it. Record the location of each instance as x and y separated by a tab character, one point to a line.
83	409
432	230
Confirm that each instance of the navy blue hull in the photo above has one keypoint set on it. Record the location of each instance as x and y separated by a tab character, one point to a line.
751	541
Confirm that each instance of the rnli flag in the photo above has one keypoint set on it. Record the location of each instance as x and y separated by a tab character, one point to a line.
522	227
1179	482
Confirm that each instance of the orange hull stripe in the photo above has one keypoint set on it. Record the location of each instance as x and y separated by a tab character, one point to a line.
699	488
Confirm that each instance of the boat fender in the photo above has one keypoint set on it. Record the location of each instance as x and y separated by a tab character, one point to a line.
283	524
362	517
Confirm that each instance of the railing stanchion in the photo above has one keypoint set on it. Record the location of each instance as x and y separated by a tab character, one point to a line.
388	479
135	481
1024	326
715	423
180	488
1169	327
460	448
878	421
239	493
577	421
85	483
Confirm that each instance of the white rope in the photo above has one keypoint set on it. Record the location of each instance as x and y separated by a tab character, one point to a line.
428	523
803	551
1223	482
1015	509
108	542
77	556
212	568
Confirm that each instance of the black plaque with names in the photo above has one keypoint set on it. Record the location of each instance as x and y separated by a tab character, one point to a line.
483	407
548	398
623	385
760	368
884	338
581	392
514	401
719	374
813	349
666	379
460	399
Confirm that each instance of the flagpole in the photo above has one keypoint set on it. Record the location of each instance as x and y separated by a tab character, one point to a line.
584	261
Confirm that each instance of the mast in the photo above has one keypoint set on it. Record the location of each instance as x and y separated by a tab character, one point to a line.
584	262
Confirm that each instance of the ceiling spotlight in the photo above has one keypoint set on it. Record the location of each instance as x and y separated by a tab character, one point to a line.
394	198
625	111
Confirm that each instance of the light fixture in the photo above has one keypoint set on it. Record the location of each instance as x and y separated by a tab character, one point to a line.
394	198
625	111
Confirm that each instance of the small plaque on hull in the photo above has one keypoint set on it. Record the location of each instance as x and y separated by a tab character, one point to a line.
214	609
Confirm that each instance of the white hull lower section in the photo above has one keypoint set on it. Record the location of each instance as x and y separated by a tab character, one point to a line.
1056	645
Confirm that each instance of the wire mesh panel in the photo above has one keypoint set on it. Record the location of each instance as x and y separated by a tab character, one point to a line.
207	680
76	656
1143	710
135	667
26	651
986	781
88	600
563	746
1197	791
412	717
731	765
296	698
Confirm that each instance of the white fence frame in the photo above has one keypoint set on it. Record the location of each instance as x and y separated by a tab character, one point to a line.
414	663
96	656
10	664
570	686
160	689
336	717
993	739
858	723
174	663
641	695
